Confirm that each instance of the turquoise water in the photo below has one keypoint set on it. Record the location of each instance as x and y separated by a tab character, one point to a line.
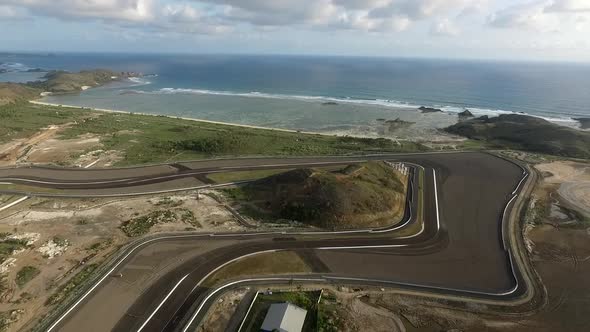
292	92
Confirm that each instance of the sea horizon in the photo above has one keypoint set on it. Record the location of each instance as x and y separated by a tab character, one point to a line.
328	94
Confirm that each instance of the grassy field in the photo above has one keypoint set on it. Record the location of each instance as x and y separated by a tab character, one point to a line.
26	274
24	119
150	139
25	188
283	262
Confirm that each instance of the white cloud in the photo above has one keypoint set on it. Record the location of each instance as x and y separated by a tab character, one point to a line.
525	16
215	16
184	18
569	6
367	15
444	28
125	10
7	12
543	16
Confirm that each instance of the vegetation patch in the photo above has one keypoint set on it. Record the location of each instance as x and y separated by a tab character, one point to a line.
141	225
100	245
26	274
330	319
188	217
9	245
168	202
66	289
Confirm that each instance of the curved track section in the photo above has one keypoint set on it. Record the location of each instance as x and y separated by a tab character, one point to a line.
457	248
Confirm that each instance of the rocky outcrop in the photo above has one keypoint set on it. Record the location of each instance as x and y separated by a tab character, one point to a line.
425	109
465	114
396	124
584	122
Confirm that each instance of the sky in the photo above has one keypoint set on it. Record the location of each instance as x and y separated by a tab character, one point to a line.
554	30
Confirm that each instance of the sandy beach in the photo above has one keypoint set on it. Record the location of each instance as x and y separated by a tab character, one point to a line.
175	117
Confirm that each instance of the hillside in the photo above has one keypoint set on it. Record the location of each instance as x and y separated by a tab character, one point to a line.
364	195
12	92
65	82
526	133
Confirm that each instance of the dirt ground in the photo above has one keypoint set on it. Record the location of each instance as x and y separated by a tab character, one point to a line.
66	234
45	147
11	153
222	311
573	180
355	314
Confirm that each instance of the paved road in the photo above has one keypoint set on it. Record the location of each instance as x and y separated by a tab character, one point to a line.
465	254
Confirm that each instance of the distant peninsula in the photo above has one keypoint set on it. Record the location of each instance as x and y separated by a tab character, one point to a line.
526	133
67	82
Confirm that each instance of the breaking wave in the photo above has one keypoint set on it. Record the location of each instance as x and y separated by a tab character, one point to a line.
345	100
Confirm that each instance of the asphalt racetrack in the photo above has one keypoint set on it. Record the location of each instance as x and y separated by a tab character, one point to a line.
459	250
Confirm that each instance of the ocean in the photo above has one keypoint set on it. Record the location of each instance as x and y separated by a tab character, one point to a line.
340	95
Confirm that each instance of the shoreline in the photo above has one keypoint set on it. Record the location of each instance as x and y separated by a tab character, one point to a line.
106	110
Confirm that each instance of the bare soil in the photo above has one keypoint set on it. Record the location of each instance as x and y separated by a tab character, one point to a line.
14	151
70	233
574	182
222	311
46	147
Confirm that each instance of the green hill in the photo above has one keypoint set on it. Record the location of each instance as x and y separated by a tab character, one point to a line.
12	92
364	195
526	133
